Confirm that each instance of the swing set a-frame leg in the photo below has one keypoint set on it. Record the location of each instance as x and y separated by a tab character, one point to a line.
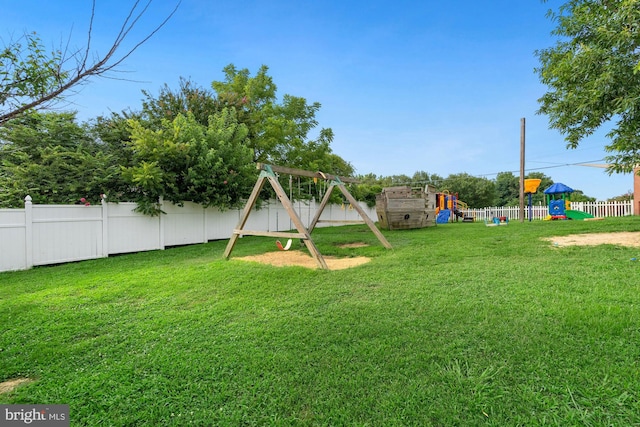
245	215
365	217
303	233
356	206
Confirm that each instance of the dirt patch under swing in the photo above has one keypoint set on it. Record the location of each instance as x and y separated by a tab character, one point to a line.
289	258
623	238
353	245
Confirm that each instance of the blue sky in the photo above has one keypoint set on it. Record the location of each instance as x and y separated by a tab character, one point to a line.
410	86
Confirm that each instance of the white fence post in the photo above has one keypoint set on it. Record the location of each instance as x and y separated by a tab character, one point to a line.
161	224
105	226
28	231
204	225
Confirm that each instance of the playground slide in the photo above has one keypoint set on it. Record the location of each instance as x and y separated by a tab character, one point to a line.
577	215
443	216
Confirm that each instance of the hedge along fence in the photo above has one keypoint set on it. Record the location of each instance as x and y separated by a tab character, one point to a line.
52	234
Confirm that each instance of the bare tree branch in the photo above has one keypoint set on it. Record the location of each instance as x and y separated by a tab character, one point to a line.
62	81
90	32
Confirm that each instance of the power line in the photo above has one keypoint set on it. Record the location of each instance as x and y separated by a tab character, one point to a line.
557	165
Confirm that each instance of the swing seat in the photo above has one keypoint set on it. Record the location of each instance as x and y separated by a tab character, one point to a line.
283	248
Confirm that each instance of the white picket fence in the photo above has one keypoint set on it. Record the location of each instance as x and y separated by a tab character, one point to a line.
597	209
52	234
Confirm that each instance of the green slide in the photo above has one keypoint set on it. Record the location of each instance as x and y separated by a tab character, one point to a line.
577	215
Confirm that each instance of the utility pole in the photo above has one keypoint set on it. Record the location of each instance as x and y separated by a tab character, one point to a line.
522	132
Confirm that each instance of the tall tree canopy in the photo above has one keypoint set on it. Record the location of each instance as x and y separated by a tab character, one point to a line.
508	188
54	160
185	160
593	76
189	144
279	131
476	192
188	98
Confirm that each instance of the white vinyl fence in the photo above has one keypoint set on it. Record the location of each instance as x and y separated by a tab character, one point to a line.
51	234
597	209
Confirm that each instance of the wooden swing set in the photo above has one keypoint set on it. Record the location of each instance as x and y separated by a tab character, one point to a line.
268	173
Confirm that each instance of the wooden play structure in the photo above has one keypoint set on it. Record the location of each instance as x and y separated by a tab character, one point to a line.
403	207
268	174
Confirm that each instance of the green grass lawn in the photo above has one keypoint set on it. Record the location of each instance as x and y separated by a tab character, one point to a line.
458	325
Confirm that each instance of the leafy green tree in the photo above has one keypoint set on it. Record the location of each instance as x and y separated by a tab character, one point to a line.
593	76
623	197
369	186
401	179
189	98
278	131
579	196
113	134
422	178
507	189
186	161
316	155
419	178
53	159
476	192
27	71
